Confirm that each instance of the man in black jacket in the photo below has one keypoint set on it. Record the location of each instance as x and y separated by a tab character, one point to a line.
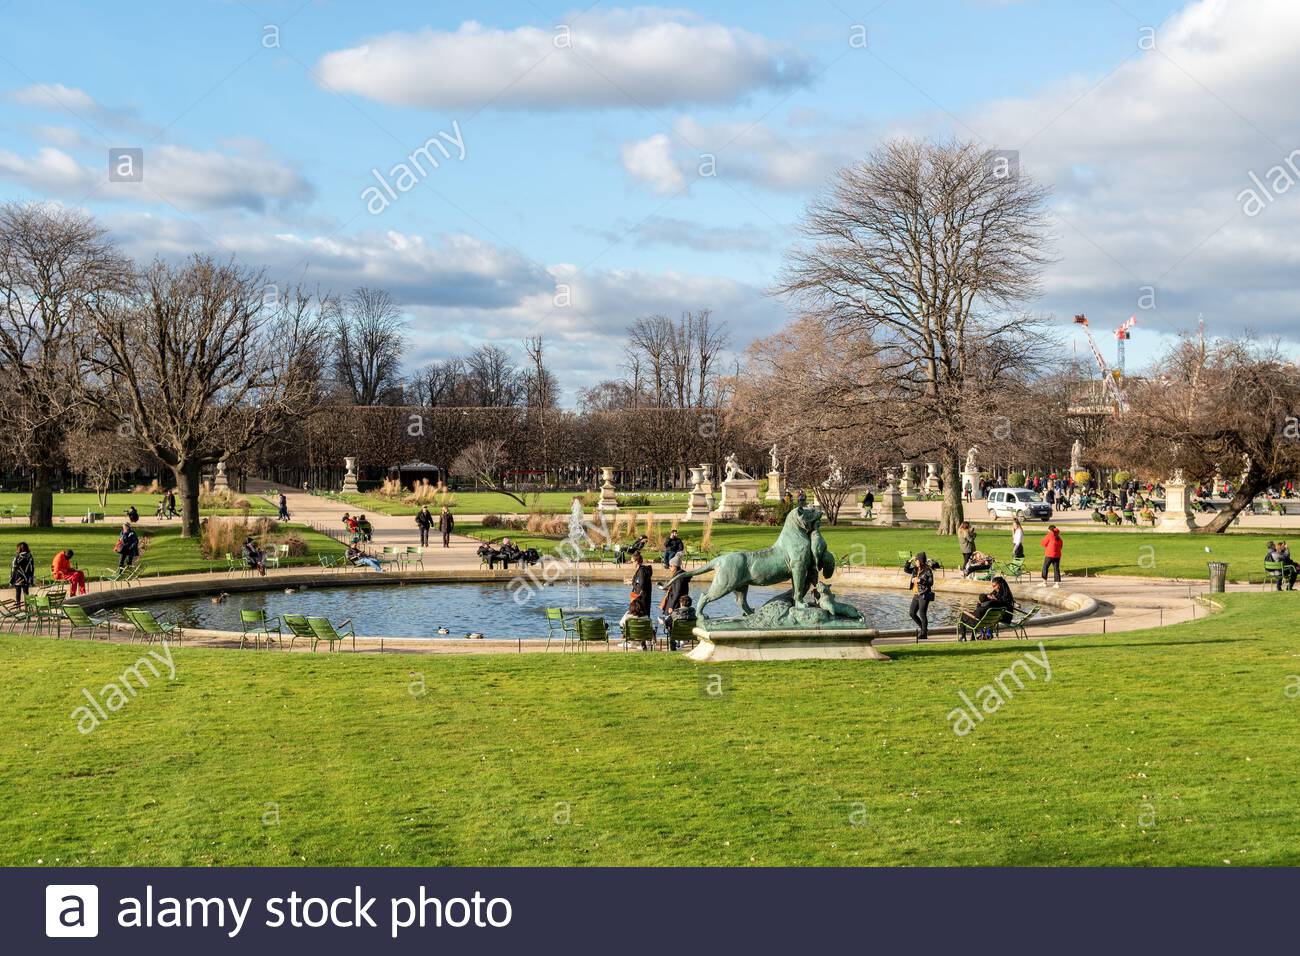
424	521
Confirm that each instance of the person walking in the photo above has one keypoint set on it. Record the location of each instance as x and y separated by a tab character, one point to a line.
966	542
673	546
284	507
921	569
22	574
171	504
639	598
1017	539
424	521
1052	546
868	503
446	522
127	547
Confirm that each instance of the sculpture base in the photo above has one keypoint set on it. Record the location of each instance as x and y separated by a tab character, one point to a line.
735	492
811	643
350	486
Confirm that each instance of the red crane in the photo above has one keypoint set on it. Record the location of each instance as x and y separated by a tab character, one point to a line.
1109	378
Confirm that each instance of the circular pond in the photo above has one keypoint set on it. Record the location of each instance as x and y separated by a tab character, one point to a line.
494	610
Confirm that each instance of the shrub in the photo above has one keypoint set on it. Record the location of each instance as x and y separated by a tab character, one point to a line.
1121	478
1015	479
492	521
752	512
224	499
633	501
221	536
538	523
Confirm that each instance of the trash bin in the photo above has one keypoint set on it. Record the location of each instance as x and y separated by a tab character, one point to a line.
1218	575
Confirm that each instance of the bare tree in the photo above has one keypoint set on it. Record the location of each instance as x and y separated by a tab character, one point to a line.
483	462
541	388
201	368
1230	407
649	343
101	455
925	252
55	264
494	381
369	340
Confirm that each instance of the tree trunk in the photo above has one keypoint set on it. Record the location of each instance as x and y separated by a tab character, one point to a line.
189	479
951	515
42	505
1253	484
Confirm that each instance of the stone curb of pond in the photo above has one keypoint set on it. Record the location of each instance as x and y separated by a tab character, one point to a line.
1071	605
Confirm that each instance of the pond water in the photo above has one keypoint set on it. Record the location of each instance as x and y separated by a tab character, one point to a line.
493	610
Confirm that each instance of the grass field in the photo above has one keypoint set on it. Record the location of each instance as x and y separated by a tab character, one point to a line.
76	503
486	502
165	551
1169	747
1094	552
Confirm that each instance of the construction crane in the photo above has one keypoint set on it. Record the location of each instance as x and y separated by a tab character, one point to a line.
1109	378
1122	335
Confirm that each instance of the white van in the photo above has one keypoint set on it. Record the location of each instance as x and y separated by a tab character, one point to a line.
1018	503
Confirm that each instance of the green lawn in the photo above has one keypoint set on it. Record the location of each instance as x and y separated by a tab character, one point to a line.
487	502
1094	552
165	551
1162	748
76	503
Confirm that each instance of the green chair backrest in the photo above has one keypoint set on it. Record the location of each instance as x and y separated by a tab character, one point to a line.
323	629
639	629
143	620
555	614
298	624
77	615
1273	567
1026	616
683	629
252	617
904	555
991	617
592	629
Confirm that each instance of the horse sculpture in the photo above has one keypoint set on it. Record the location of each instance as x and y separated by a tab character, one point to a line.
798	556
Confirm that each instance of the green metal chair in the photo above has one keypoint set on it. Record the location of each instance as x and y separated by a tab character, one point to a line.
298	627
638	629
415	555
116	575
42	611
1273	574
150	628
592	630
903	558
80	620
12	614
323	630
987	623
557	626
257	624
328	561
1016	626
681	632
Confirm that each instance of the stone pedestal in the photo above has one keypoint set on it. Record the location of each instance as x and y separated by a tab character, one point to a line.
889	504
932	477
785	645
706	483
970	480
1177	516
735	492
697	506
608	504
350	476
775	486
906	486
221	482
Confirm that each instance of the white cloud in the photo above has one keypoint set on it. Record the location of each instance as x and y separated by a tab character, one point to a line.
56	97
620	58
652	161
245	178
1148	168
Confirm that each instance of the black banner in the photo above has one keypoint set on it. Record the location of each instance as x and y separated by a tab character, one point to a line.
644	910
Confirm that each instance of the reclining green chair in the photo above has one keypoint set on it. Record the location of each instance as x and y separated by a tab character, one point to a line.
298	627
149	628
256	624
680	633
638	630
80	620
323	630
987	624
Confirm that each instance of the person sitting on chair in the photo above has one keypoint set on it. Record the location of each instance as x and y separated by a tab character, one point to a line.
1289	568
979	561
254	558
998	596
685	611
359	558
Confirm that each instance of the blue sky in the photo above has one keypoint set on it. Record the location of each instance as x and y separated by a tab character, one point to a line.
262	123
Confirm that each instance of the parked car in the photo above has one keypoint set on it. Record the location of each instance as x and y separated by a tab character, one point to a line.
1018	503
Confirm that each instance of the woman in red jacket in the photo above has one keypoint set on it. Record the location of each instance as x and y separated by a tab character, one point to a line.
1052	555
